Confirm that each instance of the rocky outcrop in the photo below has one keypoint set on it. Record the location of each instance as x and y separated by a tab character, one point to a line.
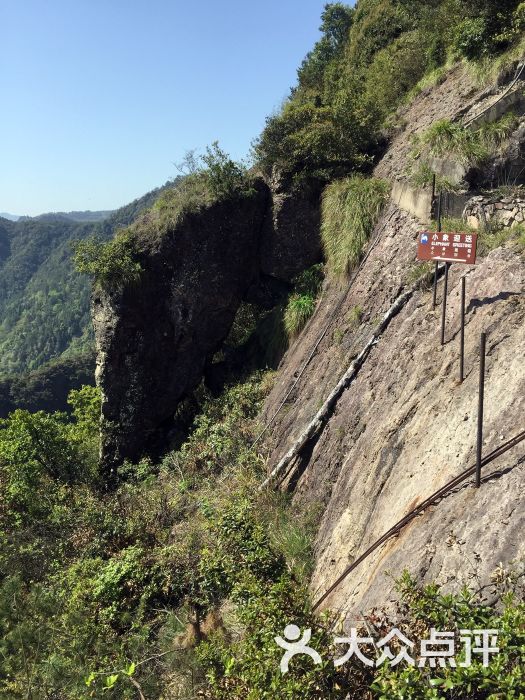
292	229
502	211
155	337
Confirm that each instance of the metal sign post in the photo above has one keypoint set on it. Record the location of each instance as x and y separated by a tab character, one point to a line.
447	248
481	399
436	266
444	304
462	332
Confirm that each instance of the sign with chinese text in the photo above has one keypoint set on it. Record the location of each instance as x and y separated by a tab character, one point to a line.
447	247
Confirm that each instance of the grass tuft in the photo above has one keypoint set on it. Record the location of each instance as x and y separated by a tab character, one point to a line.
470	146
350	210
299	309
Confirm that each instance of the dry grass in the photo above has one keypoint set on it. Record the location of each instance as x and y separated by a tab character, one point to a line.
350	210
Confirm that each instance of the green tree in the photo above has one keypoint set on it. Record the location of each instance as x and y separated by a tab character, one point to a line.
34	449
336	22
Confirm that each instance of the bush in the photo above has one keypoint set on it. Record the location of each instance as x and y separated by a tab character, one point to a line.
470	39
427	607
350	210
316	139
226	178
111	264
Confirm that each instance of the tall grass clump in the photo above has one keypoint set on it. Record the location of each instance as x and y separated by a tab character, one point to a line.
301	304
350	210
470	146
299	309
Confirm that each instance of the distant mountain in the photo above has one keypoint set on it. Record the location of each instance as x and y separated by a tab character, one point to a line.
80	216
44	302
10	217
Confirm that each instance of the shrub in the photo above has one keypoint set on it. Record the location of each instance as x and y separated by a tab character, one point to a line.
35	450
316	139
427	607
225	177
470	39
112	264
115	264
350	210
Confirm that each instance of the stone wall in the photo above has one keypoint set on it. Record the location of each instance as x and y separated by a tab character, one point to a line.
503	211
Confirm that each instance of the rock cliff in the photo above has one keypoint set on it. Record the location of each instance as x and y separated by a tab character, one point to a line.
401	427
405	425
154	338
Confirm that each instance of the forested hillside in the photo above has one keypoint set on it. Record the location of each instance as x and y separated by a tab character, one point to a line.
44	301
371	59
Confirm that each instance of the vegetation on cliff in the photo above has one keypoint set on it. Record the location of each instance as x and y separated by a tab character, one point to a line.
369	59
177	583
211	179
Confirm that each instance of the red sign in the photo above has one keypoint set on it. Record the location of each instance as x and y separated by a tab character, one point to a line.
447	247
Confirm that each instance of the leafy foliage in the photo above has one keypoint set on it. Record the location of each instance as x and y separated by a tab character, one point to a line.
427	607
179	581
301	304
369	59
226	178
112	263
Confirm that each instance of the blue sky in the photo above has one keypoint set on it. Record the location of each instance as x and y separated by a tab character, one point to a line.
101	97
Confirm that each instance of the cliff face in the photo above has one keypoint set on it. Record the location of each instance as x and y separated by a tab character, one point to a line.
405	426
402	427
155	337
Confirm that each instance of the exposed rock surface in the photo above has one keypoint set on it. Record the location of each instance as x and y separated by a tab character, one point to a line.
155	337
292	229
448	100
504	211
405	426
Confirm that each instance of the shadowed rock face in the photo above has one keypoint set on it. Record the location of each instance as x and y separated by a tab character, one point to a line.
155	337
